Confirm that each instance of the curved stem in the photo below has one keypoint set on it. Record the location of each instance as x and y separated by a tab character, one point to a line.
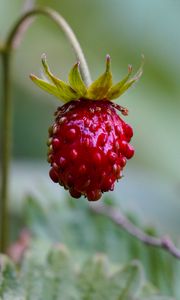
12	42
121	220
16	34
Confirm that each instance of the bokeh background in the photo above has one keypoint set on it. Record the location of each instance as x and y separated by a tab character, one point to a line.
124	29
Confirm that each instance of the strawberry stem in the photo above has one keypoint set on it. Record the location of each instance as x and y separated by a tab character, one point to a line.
6	146
13	40
17	32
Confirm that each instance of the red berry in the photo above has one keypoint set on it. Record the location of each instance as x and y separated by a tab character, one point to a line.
54	175
88	141
74	193
56	144
122	162
123	147
88	147
62	161
94	195
128	132
130	151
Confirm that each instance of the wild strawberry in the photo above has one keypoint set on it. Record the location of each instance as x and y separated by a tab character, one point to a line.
88	141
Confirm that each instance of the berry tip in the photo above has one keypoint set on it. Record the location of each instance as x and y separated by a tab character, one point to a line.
43	58
32	76
129	68
108	61
108	58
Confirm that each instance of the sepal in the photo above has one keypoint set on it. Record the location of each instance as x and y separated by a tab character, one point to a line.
119	88
100	87
66	93
45	85
76	81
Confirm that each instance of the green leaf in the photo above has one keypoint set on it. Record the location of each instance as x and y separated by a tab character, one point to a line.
76	81
100	87
149	292
65	91
93	280
73	223
129	279
9	282
50	276
36	217
50	272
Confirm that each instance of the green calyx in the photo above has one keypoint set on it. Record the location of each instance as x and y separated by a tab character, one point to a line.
101	88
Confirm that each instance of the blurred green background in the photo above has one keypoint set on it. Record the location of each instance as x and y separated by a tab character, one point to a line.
150	190
125	29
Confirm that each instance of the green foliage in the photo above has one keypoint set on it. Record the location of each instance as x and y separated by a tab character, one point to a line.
50	273
72	223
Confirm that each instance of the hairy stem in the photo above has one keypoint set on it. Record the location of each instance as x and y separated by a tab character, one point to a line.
13	40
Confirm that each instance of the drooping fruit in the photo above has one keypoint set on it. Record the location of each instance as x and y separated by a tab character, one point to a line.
88	142
88	147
